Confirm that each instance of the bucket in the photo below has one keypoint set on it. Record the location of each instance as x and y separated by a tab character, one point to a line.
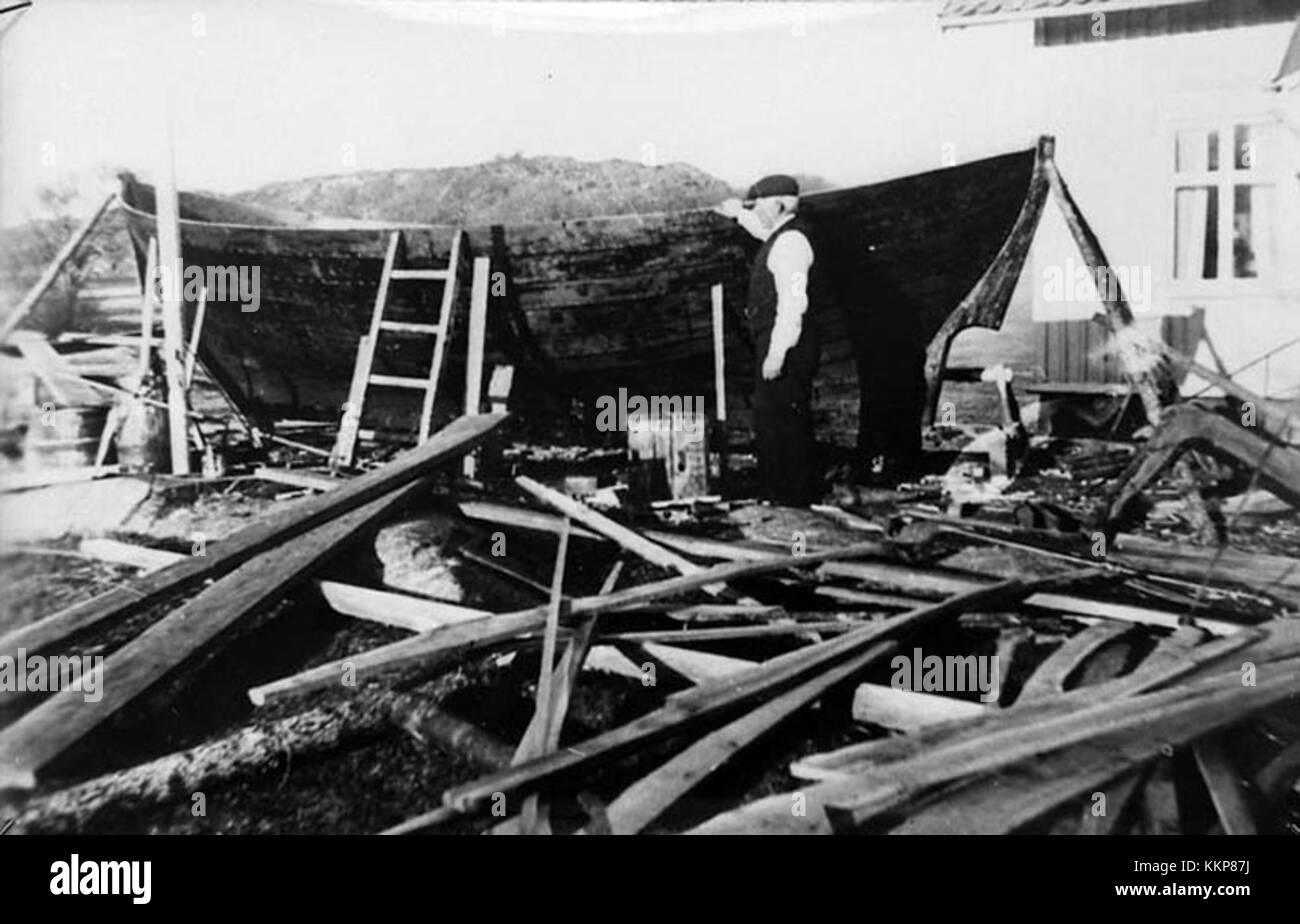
142	445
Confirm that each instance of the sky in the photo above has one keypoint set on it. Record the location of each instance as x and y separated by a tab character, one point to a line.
279	89
251	91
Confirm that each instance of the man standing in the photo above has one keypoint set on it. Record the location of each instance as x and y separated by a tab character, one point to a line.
785	339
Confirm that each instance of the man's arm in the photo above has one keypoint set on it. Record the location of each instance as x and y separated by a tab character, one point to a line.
789	261
732	208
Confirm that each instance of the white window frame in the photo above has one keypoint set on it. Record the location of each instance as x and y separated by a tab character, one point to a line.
1270	171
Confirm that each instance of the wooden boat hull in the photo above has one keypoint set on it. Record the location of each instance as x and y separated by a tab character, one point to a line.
587	306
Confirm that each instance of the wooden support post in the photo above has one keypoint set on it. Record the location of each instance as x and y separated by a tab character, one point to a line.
146	308
533	820
51	273
169	259
719	356
192	353
478	308
1152	380
720	379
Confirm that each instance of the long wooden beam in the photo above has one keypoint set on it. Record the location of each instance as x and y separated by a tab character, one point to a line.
45	732
1171	716
705	704
231	551
450	640
66	252
651	796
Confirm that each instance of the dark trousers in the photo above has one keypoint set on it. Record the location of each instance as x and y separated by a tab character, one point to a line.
783	428
892	395
887	344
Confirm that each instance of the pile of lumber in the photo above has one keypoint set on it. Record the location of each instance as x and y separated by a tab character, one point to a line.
1122	684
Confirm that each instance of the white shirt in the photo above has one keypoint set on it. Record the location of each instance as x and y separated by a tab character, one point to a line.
789	261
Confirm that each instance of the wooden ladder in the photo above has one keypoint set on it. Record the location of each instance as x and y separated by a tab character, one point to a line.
362	377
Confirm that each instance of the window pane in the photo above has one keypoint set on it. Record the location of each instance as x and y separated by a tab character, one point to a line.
1196	242
1243	150
1196	149
1252	232
1254	147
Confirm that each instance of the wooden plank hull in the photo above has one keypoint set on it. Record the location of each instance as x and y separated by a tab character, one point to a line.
587	306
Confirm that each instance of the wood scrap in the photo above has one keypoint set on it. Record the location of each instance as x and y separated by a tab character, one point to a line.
1128	731
1227	789
260	748
40	735
449	640
651	796
294	478
909	710
701	704
415	614
125	553
233	550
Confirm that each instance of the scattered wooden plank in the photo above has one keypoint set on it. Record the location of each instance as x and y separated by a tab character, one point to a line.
1277	467
982	804
702	704
478	309
609	660
598	522
696	666
1278	575
231	551
540	742
66	252
927	584
680	637
1159	809
1097	609
1227	789
713	613
654	794
1051	675
404	611
253	750
65	386
124	553
521	517
23	481
1144	725
849	760
296	478
430	724
1129	730
543	732
40	735
909	710
1118	792
449	640
484	561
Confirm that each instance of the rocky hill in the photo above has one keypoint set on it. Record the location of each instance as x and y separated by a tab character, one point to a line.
507	189
504	190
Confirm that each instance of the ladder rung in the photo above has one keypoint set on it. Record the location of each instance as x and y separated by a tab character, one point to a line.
419	274
400	381
413	327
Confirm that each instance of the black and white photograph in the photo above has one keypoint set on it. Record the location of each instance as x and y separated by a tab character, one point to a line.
461	417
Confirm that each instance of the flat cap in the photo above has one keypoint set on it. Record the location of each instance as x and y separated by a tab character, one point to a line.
778	184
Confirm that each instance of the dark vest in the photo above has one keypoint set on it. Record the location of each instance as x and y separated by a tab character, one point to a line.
760	308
